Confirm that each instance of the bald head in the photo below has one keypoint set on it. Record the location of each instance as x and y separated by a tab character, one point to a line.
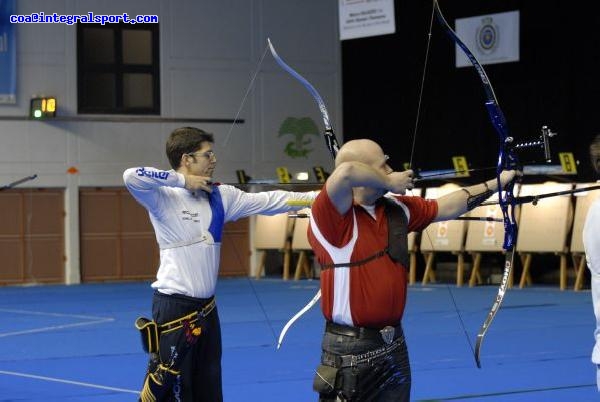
363	150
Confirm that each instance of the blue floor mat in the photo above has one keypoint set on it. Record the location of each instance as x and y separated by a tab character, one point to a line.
78	343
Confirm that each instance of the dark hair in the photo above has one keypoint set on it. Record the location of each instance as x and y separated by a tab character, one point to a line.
595	153
185	140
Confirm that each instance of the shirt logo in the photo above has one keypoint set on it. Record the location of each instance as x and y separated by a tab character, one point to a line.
163	175
190	216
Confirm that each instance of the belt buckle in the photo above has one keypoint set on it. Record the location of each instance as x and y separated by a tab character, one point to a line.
387	333
206	310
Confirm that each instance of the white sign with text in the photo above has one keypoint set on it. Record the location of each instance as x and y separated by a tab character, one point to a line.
364	18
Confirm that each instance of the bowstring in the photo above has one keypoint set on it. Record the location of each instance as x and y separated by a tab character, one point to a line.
225	142
460	318
248	90
421	89
412	153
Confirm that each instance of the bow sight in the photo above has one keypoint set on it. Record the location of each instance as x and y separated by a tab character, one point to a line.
543	142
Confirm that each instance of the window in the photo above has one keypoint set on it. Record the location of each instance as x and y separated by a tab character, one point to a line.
117	69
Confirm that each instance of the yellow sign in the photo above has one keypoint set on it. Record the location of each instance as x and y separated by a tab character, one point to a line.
283	175
320	173
567	162
241	176
460	166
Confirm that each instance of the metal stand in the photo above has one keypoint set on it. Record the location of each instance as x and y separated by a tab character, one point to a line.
17	182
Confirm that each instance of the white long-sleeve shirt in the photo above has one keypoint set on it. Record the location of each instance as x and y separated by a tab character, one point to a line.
591	242
188	225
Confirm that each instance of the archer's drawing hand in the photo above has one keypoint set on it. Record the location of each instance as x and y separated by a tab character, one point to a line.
399	182
193	183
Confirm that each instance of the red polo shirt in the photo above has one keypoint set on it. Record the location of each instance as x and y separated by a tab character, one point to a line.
372	294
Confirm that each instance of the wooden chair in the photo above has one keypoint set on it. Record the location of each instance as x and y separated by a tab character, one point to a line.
583	201
485	237
445	236
300	244
273	233
544	227
413	245
413	250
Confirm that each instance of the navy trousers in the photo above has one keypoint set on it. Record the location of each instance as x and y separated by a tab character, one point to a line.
200	377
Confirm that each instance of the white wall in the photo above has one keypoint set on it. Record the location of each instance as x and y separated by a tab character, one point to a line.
210	49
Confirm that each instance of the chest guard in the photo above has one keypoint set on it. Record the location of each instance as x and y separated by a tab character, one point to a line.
397	247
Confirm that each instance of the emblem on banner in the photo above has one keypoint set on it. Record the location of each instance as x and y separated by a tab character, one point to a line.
299	129
488	36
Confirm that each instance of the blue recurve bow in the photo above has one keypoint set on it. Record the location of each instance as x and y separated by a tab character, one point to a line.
507	159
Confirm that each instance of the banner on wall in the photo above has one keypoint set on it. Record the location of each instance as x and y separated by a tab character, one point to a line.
8	53
363	18
493	38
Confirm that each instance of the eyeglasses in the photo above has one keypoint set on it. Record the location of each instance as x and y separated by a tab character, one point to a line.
387	167
208	154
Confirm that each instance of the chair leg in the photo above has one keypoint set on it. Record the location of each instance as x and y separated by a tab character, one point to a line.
307	266
429	274
525	275
300	265
412	272
563	271
475	278
261	265
287	259
460	270
580	264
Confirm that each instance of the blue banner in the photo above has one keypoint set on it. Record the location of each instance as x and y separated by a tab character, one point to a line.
8	53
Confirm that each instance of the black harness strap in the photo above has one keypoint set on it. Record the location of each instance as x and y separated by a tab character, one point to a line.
355	263
397	247
397	232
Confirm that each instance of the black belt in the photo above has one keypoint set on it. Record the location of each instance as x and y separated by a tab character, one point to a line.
386	334
370	357
192	317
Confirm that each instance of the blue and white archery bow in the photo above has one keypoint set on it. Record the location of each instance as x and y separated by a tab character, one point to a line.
332	146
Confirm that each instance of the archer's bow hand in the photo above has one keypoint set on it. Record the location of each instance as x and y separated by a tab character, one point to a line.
416	174
509	176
